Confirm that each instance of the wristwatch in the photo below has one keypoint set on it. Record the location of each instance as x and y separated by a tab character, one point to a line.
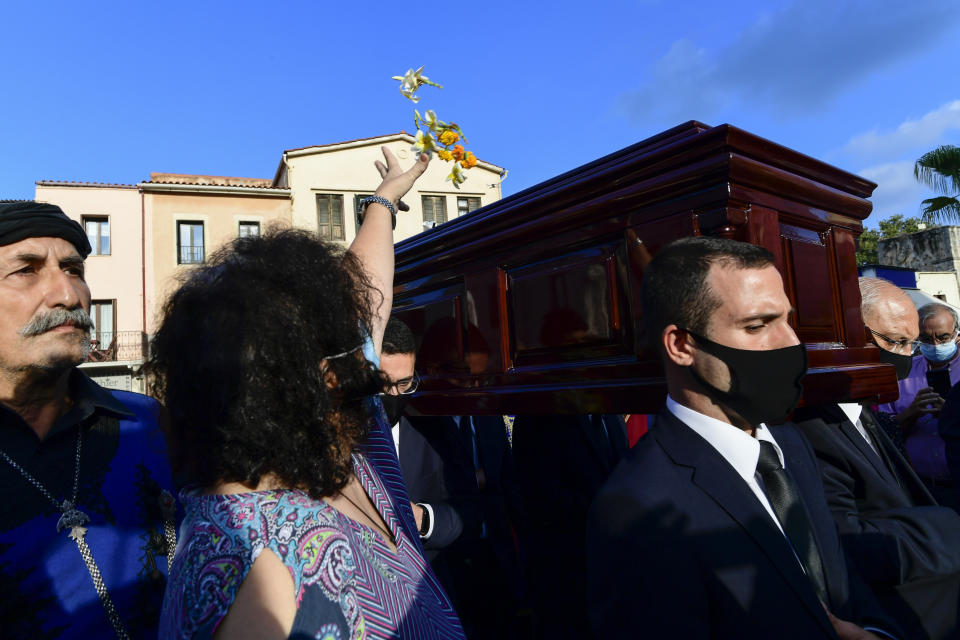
425	521
362	208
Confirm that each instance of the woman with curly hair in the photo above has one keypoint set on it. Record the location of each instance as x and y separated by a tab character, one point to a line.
289	529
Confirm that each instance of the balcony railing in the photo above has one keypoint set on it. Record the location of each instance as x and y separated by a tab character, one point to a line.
191	254
120	346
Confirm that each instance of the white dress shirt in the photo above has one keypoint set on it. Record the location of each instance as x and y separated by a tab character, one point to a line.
736	446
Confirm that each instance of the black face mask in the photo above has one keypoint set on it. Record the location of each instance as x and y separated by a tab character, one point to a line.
764	385
393	406
901	362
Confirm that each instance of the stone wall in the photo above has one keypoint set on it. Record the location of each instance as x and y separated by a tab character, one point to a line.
936	249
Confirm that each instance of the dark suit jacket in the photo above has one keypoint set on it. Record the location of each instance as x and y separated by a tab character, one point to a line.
499	505
906	547
561	466
679	546
434	477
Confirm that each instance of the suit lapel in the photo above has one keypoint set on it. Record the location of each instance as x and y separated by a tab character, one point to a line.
907	478
856	438
715	477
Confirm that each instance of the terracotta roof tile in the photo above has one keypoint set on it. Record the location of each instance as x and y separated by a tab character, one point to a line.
201	180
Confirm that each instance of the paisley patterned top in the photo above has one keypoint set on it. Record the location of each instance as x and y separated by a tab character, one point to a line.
349	584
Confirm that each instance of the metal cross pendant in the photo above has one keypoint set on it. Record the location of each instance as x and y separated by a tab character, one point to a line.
72	519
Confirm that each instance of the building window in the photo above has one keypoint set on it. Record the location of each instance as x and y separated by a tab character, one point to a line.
102	312
98	233
189	242
356	205
330	216
249	229
466	205
435	209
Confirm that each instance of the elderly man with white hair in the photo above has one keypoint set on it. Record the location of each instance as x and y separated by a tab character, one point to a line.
905	545
919	405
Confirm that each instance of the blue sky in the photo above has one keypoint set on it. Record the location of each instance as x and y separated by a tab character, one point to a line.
109	92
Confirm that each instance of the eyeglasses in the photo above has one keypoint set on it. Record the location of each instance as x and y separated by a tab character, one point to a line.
903	347
941	339
402	387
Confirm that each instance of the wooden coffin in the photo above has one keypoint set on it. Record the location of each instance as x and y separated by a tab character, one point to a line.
532	304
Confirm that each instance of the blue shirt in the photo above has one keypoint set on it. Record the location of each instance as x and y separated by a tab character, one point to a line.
125	488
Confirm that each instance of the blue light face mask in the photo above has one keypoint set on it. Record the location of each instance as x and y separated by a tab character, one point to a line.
938	352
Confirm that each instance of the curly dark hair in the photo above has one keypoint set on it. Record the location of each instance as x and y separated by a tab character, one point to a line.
237	361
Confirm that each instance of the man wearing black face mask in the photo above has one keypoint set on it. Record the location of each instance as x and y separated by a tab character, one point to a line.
715	525
904	544
445	501
440	521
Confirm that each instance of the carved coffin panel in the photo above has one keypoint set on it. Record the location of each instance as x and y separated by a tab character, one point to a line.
532	304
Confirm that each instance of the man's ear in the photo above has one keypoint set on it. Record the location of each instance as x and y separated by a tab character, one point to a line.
677	345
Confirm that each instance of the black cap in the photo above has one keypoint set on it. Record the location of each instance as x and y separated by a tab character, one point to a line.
29	219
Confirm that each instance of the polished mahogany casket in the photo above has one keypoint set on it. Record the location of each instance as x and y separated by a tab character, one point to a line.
532	304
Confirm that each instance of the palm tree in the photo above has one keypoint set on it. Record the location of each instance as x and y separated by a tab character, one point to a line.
940	170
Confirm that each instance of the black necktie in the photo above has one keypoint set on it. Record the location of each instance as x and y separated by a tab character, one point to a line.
866	420
787	505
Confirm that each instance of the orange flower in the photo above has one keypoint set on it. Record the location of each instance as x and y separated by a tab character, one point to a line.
469	160
448	137
445	155
458	151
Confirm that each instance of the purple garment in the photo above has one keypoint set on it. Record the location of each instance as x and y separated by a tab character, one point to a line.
924	444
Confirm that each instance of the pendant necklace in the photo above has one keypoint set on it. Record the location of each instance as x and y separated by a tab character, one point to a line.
386	533
73	519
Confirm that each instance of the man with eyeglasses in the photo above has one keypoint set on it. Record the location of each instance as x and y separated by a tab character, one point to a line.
918	407
904	544
441	501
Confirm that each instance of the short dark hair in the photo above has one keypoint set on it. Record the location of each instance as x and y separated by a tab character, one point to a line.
238	361
397	338
675	289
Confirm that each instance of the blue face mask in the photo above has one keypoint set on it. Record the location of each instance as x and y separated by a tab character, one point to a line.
938	352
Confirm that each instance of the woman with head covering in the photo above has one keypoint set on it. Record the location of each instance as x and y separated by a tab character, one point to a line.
289	529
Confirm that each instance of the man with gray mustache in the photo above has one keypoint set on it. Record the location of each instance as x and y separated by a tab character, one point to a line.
87	515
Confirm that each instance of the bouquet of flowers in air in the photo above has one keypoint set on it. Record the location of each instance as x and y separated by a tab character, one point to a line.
446	139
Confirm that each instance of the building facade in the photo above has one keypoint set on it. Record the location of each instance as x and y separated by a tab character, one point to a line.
146	236
327	181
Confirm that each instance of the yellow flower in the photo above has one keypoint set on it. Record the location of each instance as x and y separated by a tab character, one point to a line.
469	160
456	176
445	155
448	137
458	152
424	143
413	80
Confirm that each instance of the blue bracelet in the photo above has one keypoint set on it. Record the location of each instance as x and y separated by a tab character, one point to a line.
362	208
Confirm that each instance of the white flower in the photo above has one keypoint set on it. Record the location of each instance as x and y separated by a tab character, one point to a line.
413	80
424	143
456	175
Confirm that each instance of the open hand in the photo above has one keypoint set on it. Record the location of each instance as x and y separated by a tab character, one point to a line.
396	181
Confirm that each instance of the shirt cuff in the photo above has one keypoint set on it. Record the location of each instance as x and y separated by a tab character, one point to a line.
429	510
880	632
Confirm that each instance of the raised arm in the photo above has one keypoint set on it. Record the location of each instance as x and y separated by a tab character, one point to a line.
374	242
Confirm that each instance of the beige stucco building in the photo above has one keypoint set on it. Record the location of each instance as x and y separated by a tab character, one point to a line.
325	182
113	218
146	236
189	216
